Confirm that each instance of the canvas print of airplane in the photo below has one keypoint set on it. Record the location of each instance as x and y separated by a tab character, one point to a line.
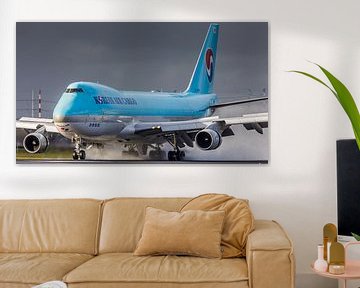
170	92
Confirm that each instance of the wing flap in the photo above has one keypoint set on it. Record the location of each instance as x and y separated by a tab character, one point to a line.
246	119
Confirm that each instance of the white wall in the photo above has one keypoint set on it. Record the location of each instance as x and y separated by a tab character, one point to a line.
297	188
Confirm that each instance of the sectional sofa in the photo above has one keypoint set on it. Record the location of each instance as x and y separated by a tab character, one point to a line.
90	243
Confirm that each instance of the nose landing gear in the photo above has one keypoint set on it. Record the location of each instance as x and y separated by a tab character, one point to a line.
78	153
81	155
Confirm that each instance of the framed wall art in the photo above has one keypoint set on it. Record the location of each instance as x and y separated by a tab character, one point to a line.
137	91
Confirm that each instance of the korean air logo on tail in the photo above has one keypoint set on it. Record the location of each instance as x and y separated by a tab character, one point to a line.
209	62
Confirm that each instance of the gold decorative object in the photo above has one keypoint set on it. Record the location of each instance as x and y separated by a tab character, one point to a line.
337	253
336	269
330	236
337	258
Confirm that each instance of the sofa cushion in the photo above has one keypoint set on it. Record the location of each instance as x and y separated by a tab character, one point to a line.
193	232
238	223
36	268
126	268
63	226
123	220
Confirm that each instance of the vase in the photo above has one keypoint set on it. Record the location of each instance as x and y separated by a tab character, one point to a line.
320	264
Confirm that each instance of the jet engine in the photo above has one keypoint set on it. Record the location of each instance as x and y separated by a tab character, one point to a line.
35	143
208	139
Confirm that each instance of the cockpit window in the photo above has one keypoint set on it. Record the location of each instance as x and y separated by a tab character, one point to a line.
74	90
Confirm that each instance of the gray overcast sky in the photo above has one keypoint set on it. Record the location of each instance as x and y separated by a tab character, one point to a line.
136	56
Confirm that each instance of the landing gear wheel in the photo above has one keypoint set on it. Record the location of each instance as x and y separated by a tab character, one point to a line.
78	152
75	155
172	156
82	155
176	155
180	155
156	155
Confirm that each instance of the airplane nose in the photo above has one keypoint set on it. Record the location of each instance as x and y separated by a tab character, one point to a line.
65	107
61	110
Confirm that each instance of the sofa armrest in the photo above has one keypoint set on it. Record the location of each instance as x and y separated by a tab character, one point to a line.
269	256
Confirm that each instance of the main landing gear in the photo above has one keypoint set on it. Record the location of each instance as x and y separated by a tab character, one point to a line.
176	154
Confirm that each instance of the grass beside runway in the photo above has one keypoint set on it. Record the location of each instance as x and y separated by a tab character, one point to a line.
50	154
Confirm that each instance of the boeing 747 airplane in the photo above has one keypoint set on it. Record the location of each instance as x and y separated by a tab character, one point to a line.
92	114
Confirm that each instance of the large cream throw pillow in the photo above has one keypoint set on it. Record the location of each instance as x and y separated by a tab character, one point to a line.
193	232
239	220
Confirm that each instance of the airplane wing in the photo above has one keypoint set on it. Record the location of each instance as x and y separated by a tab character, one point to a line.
198	124
29	123
185	131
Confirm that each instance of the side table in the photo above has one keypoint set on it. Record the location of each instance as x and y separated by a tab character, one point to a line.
352	268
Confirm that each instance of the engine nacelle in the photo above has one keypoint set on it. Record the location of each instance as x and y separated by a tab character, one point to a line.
35	143
208	139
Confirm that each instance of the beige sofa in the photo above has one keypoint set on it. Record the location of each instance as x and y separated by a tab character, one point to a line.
89	243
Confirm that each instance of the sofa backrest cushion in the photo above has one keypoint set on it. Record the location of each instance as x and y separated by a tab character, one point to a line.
66	226
238	224
123	220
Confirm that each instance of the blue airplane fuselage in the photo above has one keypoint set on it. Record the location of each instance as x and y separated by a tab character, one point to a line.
86	107
92	99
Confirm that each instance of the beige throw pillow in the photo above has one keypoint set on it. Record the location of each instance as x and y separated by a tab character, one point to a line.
194	232
238	223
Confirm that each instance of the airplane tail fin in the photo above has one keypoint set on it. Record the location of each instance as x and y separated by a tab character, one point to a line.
202	79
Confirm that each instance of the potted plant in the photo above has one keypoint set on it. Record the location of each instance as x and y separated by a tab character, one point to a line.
345	99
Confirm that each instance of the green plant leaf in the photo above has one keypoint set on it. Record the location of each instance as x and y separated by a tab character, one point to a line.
347	102
316	79
357	237
344	97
